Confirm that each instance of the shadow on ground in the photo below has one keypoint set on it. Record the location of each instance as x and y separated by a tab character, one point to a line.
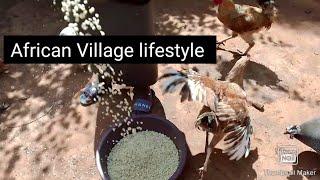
19	17
40	96
180	17
258	75
220	167
37	95
308	161
261	74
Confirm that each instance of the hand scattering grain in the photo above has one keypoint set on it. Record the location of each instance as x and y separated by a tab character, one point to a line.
143	155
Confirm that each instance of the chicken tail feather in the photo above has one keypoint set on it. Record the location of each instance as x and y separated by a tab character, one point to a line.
171	79
192	88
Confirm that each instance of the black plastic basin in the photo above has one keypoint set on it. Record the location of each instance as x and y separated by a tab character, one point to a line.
152	123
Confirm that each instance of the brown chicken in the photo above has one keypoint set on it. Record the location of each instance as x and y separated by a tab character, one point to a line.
245	20
225	111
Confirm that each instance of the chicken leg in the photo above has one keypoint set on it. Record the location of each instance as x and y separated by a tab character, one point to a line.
247	50
256	105
234	35
237	72
214	141
248	38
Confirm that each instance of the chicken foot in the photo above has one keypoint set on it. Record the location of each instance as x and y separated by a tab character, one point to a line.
214	141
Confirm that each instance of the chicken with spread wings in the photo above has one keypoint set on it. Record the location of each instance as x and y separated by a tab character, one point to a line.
225	107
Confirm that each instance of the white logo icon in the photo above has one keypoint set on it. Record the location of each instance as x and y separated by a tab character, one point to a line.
288	154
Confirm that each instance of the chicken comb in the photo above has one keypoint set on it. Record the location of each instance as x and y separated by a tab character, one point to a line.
217	1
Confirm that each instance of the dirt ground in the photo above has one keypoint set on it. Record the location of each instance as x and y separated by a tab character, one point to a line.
47	134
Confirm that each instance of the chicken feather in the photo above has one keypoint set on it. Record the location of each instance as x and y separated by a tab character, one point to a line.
225	102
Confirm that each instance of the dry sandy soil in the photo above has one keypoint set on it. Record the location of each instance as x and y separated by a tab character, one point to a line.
46	134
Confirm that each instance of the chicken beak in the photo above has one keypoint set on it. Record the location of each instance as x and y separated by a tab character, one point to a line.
215	7
196	125
291	135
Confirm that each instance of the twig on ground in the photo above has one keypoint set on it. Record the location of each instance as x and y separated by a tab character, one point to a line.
25	124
